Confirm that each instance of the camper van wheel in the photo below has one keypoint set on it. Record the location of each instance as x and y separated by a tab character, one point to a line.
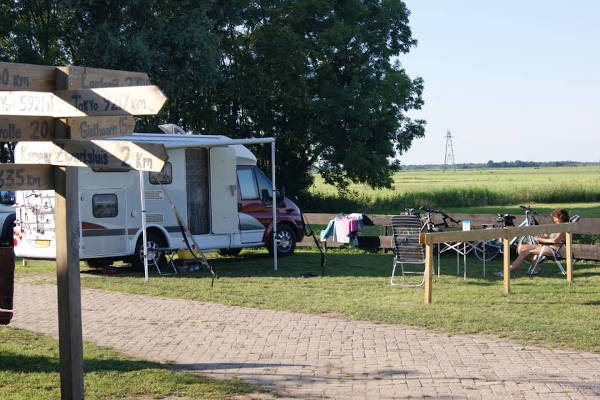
286	241
230	252
153	240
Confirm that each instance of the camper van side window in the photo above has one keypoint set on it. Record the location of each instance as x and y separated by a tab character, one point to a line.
105	205
164	177
247	183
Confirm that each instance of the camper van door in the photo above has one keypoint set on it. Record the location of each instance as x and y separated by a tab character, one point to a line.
223	193
103	222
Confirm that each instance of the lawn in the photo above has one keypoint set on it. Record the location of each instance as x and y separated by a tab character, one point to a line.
29	369
544	310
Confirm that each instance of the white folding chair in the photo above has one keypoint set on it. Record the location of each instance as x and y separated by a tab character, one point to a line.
556	254
406	247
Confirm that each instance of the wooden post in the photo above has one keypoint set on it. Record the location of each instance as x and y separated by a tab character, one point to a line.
569	256
428	269
7	284
506	265
67	273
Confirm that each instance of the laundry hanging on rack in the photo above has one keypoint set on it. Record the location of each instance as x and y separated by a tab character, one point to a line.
344	228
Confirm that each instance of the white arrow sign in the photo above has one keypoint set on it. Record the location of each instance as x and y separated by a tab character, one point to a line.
129	100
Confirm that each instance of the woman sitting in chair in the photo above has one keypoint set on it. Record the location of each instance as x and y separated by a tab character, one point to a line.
529	251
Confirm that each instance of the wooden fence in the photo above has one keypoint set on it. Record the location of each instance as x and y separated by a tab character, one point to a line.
429	239
383	239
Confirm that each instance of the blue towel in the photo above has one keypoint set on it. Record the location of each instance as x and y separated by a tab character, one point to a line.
325	233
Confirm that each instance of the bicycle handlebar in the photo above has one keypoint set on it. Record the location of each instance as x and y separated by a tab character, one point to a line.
443	214
528	208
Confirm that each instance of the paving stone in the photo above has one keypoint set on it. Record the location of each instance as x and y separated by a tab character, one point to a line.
309	356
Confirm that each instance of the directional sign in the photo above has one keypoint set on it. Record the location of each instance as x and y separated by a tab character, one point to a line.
36	104
89	128
98	154
41	78
17	129
135	100
26	177
92	78
15	76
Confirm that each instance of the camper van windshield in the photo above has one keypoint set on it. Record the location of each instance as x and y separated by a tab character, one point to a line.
264	182
7	197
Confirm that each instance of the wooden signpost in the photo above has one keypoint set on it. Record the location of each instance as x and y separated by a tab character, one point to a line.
65	112
17	129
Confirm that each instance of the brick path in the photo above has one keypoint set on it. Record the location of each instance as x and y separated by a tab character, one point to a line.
308	356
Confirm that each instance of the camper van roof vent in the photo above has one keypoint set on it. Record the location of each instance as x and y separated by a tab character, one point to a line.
172	129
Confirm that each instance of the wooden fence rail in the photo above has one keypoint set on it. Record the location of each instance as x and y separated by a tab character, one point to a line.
429	239
585	226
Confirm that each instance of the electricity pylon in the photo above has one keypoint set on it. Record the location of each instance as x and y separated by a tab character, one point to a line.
449	156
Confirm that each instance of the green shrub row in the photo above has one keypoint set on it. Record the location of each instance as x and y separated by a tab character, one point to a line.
453	197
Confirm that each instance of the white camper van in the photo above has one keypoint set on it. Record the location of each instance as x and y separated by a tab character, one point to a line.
217	189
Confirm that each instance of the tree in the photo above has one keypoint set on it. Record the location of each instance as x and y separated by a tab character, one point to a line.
168	39
318	76
33	34
171	40
321	76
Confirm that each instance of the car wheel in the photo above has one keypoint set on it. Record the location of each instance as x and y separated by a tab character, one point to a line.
286	241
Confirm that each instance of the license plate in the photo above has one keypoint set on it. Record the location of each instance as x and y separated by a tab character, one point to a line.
42	243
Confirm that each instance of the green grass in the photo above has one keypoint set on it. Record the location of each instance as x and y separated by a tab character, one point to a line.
463	188
29	369
543	310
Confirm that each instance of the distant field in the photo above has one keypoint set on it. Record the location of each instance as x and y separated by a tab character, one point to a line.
461	189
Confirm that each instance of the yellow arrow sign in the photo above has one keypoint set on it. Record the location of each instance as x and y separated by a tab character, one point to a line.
99	154
17	129
26	177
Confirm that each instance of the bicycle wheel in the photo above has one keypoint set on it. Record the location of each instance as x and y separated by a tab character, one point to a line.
487	252
525	240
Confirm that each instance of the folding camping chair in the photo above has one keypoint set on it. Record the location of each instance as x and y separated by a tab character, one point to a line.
556	254
407	250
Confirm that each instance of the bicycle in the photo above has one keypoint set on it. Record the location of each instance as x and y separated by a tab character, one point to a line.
487	250
428	225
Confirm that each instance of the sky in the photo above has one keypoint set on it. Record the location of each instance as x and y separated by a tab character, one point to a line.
511	80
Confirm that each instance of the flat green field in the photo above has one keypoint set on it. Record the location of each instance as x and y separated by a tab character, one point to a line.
461	189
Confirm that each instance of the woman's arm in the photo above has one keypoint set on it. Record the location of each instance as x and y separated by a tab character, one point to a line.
555	240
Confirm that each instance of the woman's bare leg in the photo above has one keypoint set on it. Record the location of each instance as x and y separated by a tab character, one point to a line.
526	250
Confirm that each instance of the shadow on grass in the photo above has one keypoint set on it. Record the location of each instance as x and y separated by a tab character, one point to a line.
338	264
10	361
